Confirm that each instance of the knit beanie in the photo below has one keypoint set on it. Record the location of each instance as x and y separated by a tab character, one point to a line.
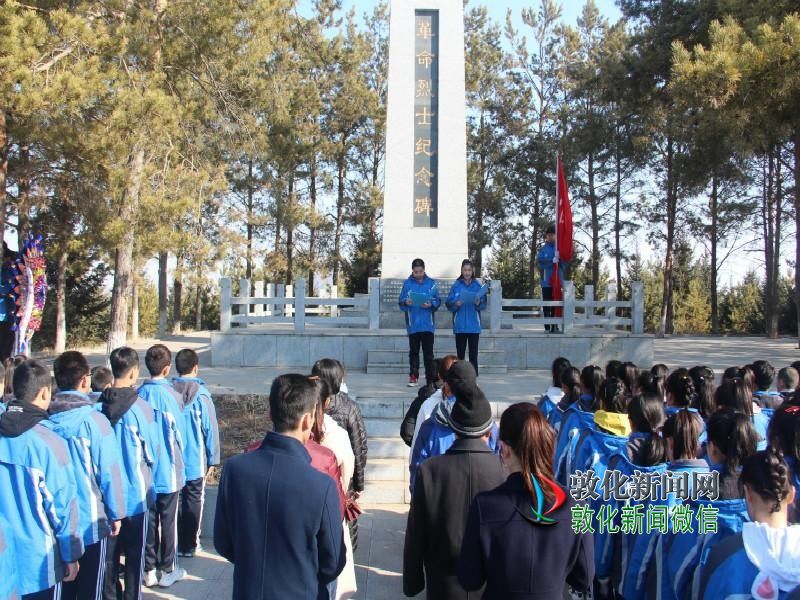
471	415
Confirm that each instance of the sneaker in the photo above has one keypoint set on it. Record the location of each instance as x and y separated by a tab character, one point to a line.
412	380
149	579
189	553
167	579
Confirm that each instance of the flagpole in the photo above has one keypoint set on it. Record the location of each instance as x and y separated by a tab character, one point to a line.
556	203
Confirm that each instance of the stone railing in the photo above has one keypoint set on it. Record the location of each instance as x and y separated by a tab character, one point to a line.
281	304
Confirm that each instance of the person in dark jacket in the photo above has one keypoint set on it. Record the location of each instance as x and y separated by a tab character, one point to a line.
347	415
409	423
278	519
444	490
519	540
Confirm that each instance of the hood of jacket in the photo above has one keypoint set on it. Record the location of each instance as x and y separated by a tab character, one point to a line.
616	423
187	388
116	402
775	552
441	411
20	417
68	400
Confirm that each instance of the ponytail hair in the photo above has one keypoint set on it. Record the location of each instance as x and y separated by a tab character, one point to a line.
592	379
525	430
684	429
571	380
680	386
646	414
649	384
734	436
615	396
614	368
323	391
703	380
557	369
331	372
630	374
783	432
767	474
735	395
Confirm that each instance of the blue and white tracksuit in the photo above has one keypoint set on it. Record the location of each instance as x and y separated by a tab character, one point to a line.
544	260
467	317
38	497
573	422
201	444
729	572
169	473
138	439
420	319
95	459
9	588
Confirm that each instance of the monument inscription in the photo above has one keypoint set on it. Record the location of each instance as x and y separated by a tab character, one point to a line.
426	118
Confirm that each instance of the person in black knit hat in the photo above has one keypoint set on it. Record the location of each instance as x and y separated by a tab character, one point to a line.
444	489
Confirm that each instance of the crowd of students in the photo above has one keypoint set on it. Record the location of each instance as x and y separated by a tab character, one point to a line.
472	529
100	468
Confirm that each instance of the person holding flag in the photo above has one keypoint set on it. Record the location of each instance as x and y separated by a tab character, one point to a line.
557	251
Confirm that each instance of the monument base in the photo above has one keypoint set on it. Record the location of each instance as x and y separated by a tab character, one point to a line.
386	350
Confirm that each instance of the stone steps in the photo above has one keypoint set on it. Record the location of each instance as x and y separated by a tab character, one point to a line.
381	362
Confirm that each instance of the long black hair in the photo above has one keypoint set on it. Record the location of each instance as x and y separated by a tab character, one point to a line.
592	381
767	474
734	436
703	380
646	414
684	429
680	387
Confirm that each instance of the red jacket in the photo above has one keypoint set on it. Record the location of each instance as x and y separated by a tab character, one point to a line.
323	460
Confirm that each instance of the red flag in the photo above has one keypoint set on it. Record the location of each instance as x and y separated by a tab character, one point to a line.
564	244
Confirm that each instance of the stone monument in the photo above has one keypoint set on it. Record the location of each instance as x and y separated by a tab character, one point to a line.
425	201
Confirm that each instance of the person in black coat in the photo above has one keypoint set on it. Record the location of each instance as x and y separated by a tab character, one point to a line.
519	541
445	486
409	423
278	519
347	414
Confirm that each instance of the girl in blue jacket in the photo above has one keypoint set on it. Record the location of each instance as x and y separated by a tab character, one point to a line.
784	433
761	561
466	300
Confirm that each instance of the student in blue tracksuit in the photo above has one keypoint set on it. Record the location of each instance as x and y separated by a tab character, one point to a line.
37	489
138	441
761	561
553	395
571	390
736	395
787	381
436	435
578	417
764	396
169	473
102	378
545	259
419	320
201	448
97	465
9	587
467	315
784	433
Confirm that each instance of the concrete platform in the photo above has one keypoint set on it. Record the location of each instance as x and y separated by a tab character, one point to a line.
279	346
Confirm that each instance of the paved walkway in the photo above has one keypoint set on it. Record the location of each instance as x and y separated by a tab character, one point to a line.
382	528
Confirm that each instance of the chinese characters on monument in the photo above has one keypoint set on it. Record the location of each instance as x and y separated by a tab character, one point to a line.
426	118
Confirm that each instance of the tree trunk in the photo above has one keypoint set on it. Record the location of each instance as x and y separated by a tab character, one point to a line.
23	194
595	225
123	255
768	215
617	219
177	297
533	267
337	236
714	235
198	302
163	296
772	324
290	231
61	299
134	308
665	325
312	237
796	228
3	170
249	258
